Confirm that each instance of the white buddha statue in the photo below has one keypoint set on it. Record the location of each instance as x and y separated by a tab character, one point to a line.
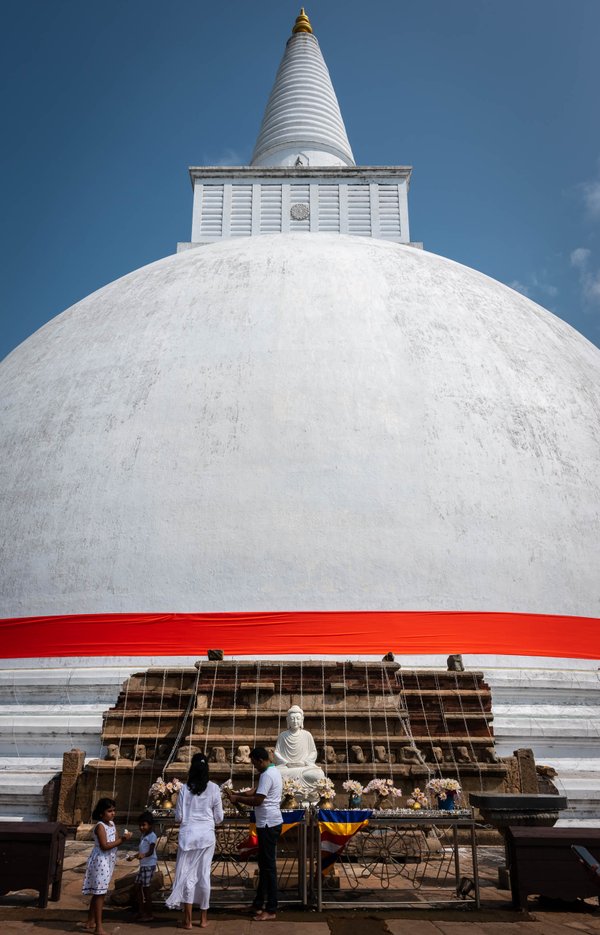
295	753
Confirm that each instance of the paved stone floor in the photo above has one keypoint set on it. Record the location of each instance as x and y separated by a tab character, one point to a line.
19	914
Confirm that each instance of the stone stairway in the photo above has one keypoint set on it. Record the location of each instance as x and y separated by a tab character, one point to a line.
556	712
45	710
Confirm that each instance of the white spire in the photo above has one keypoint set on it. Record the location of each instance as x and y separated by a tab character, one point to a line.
302	119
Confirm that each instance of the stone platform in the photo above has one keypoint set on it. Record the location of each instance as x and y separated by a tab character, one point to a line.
368	719
48	706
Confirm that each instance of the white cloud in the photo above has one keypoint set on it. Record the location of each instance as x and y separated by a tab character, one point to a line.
519	286
589	194
579	257
589	279
536	285
542	285
226	157
591	288
591	198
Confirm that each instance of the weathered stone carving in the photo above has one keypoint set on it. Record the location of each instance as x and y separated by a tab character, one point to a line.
545	775
383	755
455	663
437	755
113	751
527	770
411	754
139	752
242	755
463	755
185	753
218	755
163	751
357	754
329	754
489	755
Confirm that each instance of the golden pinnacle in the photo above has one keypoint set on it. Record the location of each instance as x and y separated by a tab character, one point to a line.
302	23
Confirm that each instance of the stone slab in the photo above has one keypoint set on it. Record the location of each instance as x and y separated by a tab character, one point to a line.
247	926
410	927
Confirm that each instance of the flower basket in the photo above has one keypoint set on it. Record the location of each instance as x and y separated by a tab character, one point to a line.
447	804
355	791
325	790
446	791
163	795
384	791
292	790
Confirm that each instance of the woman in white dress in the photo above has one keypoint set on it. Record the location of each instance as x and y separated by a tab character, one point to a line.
199	809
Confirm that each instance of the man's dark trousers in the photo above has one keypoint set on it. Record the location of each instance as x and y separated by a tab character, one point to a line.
266	893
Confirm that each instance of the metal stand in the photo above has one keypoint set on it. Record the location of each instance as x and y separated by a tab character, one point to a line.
394	855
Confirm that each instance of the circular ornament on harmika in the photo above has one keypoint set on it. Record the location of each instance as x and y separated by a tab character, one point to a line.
299	212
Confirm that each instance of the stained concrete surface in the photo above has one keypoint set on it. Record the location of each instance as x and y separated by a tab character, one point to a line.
19	914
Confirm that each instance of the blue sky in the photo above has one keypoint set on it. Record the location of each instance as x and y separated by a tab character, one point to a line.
107	102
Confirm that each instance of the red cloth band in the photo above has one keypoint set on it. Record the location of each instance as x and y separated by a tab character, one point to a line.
306	633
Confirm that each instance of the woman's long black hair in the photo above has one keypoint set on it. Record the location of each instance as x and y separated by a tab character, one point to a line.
197	780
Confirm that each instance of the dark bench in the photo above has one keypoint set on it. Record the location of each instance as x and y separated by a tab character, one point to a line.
542	863
31	857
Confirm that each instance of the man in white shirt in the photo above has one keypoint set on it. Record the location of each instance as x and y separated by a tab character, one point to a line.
265	798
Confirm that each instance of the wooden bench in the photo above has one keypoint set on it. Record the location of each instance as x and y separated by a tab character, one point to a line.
31	857
541	863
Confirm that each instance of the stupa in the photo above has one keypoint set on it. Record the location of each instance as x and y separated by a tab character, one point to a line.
312	437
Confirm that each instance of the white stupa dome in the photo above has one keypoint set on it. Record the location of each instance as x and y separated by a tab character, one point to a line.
301	421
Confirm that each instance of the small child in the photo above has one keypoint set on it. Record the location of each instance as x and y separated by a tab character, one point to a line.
101	862
146	855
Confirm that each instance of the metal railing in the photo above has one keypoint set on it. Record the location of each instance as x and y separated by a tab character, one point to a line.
390	862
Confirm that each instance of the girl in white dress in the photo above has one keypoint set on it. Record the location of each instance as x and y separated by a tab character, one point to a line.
101	862
199	809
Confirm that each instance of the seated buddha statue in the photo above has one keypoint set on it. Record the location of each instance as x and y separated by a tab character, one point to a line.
295	753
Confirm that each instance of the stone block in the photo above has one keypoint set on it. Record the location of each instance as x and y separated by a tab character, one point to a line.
527	770
72	768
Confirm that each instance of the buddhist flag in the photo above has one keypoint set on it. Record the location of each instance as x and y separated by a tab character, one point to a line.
336	828
249	846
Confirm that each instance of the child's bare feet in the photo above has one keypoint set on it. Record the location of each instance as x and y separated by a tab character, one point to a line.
265	916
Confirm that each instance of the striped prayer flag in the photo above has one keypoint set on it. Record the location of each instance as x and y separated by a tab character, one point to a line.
249	846
336	827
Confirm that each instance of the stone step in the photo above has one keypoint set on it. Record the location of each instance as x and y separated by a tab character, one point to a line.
36	732
21	786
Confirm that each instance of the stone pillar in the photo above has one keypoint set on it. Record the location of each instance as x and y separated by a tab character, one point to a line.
73	763
527	771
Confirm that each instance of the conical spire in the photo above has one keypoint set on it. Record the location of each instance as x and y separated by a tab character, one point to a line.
302	124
